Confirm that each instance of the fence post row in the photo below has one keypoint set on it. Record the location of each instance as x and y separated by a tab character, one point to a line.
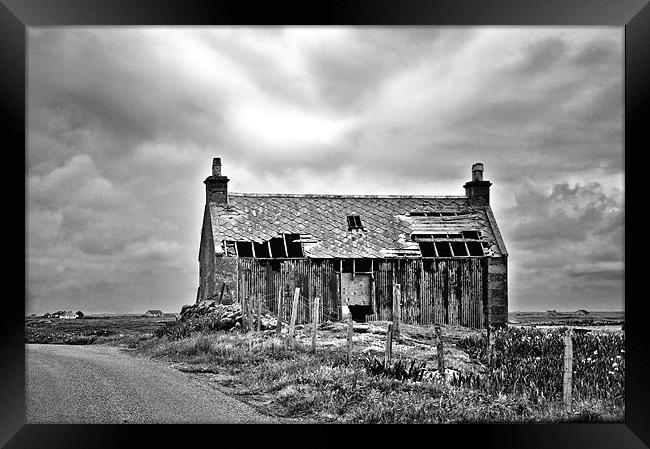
568	370
294	312
441	352
315	322
397	312
389	344
278	328
259	314
350	331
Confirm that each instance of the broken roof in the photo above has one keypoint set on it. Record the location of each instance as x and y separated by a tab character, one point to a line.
388	222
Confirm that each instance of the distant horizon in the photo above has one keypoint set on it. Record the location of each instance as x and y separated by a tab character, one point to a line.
169	312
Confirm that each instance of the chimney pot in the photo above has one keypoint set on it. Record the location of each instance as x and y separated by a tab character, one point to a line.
478	190
477	172
216	166
216	186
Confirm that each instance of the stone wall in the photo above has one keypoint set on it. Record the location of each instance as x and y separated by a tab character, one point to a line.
226	270
498	291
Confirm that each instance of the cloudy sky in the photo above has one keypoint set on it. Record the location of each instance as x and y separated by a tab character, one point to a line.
123	124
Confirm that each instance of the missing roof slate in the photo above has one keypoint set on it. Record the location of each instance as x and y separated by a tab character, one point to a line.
471	235
294	248
443	249
261	249
428	249
244	249
459	249
277	247
416	213
475	249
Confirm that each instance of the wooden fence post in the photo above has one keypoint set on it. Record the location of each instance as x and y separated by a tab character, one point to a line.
397	308
389	345
490	347
259	314
350	331
315	313
441	352
568	370
278	328
244	318
294	312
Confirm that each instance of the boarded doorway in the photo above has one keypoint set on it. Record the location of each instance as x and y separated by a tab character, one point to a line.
356	292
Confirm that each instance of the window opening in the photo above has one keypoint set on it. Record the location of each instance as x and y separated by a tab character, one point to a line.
354	222
471	235
363	265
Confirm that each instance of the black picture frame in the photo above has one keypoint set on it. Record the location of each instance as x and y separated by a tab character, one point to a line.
634	15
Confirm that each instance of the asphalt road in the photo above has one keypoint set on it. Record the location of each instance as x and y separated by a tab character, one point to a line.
102	384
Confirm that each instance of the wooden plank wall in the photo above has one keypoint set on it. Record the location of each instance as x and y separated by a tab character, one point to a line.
314	277
434	291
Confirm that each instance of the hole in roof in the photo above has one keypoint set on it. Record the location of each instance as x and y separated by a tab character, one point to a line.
427	249
229	248
245	249
294	247
471	235
417	237
277	247
475	248
354	222
443	249
459	249
261	249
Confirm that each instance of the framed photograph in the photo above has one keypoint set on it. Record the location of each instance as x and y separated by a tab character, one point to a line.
347	213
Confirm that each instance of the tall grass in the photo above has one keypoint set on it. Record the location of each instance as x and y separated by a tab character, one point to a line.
323	387
530	362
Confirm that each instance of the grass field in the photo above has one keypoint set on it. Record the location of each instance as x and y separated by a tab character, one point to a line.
566	318
522	383
262	370
116	329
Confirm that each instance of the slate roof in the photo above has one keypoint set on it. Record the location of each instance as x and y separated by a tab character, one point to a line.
321	222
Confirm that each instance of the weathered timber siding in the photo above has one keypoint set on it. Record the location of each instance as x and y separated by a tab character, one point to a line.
497	291
314	277
434	291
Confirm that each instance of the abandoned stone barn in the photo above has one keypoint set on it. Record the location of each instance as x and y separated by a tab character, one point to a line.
446	252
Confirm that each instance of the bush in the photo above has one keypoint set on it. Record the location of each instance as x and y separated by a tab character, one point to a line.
397	369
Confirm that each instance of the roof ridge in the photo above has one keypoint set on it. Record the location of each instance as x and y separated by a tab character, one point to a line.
331	195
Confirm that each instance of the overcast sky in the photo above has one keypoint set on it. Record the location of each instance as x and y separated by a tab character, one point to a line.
123	124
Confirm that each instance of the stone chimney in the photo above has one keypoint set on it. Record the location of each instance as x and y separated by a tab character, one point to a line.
216	186
477	190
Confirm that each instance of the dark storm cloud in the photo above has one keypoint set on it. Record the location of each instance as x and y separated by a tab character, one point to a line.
541	56
123	123
566	214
